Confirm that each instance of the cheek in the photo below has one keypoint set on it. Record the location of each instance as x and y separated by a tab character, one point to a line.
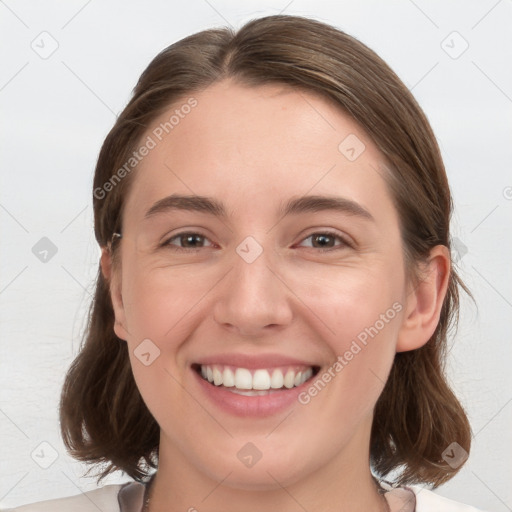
354	303
158	305
157	301
158	313
348	312
359	318
339	304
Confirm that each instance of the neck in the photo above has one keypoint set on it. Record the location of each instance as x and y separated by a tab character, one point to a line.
344	484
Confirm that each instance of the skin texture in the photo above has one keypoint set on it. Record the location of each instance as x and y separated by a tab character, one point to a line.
252	149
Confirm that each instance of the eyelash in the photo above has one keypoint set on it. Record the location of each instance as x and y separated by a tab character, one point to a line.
345	242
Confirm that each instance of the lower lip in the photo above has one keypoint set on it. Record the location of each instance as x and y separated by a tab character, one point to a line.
259	405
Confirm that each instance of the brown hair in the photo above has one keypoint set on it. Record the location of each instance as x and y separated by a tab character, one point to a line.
103	416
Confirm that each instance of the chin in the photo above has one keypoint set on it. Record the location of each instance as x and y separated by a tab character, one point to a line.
270	467
272	475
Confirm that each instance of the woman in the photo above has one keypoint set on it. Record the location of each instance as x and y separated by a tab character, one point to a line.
275	287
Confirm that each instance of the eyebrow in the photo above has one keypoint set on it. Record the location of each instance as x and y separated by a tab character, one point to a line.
294	206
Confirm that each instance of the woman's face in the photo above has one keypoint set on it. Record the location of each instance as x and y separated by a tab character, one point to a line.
258	294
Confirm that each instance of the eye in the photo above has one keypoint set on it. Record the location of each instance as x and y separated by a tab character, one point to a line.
326	239
189	241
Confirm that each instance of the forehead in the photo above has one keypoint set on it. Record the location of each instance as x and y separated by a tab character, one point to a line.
250	143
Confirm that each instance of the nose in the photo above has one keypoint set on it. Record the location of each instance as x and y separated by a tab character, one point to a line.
253	297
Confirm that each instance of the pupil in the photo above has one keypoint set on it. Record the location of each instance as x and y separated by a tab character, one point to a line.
323	237
190	238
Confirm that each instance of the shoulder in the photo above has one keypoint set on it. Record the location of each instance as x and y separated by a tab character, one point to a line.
104	499
427	501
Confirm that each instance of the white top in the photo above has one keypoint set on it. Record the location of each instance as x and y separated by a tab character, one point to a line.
128	497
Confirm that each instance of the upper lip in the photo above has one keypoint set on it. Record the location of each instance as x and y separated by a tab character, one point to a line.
253	361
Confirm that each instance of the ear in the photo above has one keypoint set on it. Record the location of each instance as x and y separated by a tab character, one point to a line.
114	280
424	301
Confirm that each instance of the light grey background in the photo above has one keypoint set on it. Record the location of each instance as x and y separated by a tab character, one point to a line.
57	110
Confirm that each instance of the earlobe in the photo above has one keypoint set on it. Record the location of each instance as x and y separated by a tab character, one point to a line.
424	301
116	297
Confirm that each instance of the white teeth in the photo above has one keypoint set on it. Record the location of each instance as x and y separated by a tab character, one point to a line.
261	380
250	392
228	378
289	379
217	376
277	380
258	380
243	378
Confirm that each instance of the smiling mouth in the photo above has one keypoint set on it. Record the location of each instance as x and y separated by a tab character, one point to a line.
254	382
